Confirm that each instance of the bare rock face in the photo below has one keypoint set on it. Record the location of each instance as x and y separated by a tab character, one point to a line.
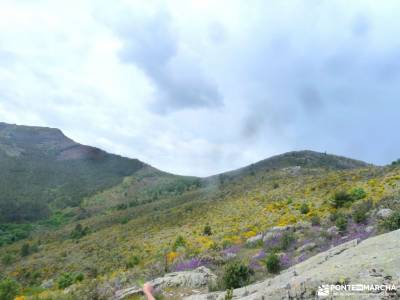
374	261
197	278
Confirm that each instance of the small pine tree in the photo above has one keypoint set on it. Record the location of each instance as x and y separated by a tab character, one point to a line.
207	230
341	223
179	242
236	275
304	209
273	263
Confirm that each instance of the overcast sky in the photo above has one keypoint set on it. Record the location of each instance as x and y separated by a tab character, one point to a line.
201	87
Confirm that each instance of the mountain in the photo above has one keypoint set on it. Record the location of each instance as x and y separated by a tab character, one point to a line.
102	222
41	169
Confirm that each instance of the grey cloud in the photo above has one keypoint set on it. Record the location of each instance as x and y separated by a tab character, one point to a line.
152	46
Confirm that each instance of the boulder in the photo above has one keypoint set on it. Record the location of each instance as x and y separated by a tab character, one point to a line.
197	278
253	240
307	247
332	230
277	230
369	229
384	213
374	261
47	284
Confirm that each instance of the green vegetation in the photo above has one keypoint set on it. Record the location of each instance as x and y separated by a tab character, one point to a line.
9	289
141	224
341	223
357	194
79	231
65	280
7	259
272	263
207	230
392	222
236	275
315	221
133	261
25	250
53	171
360	212
304	209
229	294
341	198
286	241
179	242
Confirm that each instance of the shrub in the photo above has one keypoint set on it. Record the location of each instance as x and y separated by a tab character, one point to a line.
359	216
341	223
289	201
334	216
9	289
236	275
25	250
179	242
7	259
315	221
304	209
287	239
272	263
65	280
79	277
392	222
229	294
358	193
360	211
340	198
207	230
133	261
79	231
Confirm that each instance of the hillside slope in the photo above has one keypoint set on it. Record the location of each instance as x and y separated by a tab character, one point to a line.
371	262
152	222
41	169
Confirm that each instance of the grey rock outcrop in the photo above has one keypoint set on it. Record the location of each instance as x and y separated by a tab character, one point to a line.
307	247
384	213
255	239
374	261
197	278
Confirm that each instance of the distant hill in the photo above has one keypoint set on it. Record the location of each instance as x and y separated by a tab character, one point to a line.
41	169
304	159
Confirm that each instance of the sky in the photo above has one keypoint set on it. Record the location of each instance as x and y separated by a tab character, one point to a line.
198	87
